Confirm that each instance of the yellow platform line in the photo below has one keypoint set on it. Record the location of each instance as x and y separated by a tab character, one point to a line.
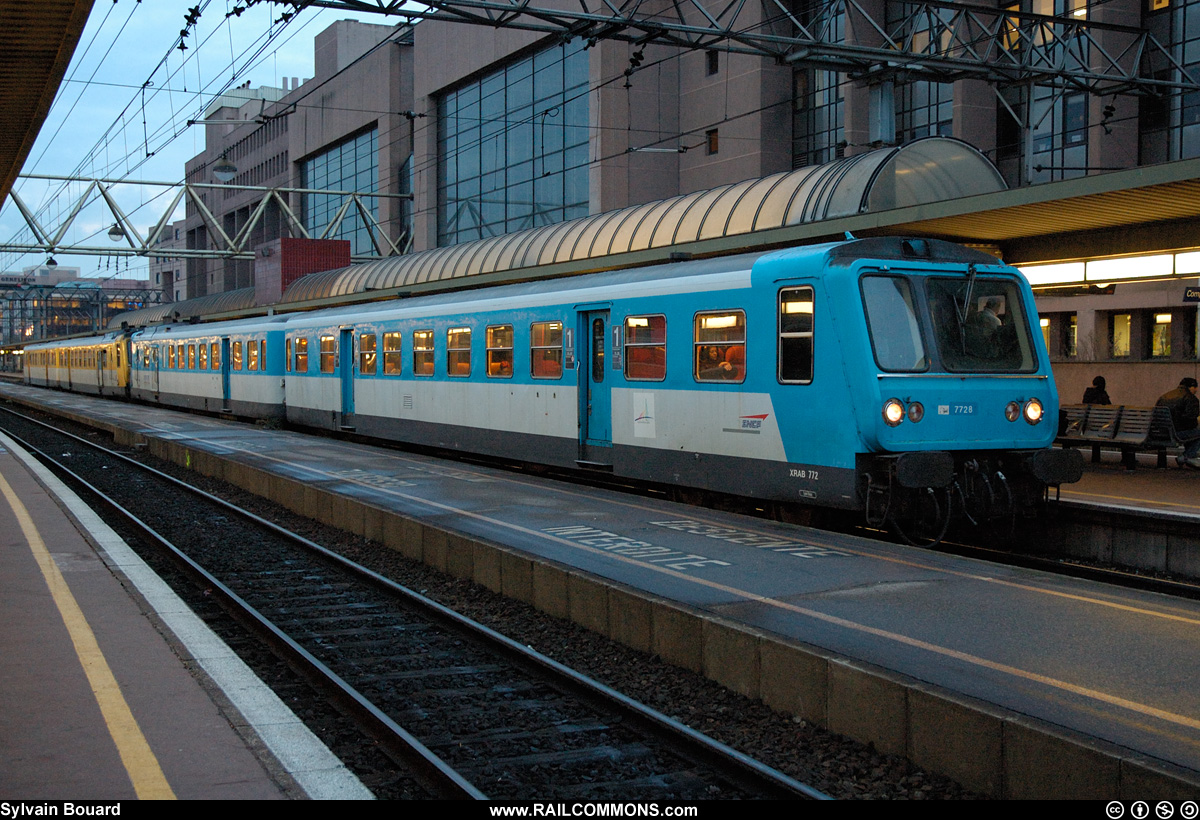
147	776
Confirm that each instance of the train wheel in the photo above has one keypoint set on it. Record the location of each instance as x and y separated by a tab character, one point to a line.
923	519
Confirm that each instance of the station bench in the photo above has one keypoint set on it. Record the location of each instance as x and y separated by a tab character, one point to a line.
1131	429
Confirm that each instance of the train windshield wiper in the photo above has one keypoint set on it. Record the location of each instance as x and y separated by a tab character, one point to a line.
963	309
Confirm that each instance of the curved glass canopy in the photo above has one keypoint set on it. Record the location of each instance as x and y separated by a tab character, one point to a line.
925	170
230	300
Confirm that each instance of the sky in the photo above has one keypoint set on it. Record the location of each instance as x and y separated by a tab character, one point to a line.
130	91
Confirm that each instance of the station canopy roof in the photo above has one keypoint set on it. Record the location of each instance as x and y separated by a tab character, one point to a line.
229	302
927	170
37	39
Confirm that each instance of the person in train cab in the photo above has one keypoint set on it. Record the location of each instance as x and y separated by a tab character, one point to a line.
983	329
1184	407
989	317
1096	394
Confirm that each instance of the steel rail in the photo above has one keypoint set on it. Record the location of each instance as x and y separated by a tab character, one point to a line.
742	769
432	771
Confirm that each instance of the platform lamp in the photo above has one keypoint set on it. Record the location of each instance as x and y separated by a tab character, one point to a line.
224	170
116	233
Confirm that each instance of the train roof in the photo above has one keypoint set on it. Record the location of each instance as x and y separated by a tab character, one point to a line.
683	275
78	341
191	331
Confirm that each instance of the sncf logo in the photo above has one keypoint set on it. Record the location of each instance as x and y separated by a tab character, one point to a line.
753	422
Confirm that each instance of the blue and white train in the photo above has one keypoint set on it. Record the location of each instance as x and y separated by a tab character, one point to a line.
901	378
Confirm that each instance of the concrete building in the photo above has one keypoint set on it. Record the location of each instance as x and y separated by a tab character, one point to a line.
167	272
344	129
493	131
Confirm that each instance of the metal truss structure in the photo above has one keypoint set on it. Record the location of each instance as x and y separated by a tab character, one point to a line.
52	239
931	40
30	312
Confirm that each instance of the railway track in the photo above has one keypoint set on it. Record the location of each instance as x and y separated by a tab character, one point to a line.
468	712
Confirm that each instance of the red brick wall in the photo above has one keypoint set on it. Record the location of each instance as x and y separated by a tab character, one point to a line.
279	263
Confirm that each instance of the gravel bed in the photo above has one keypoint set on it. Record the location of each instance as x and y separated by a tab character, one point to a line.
838	766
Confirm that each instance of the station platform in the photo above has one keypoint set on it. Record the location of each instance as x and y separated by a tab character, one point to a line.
1147	488
1014	682
110	688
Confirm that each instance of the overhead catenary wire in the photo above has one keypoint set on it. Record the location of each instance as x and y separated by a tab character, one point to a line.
172	130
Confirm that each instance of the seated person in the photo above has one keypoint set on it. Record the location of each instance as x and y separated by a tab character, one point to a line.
711	365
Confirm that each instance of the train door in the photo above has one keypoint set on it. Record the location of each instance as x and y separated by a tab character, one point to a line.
595	405
346	371
154	366
101	358
226	385
124	365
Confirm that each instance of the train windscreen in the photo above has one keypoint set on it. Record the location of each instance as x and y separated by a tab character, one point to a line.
892	319
980	324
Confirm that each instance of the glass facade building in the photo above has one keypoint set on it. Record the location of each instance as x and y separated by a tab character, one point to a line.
351	165
924	108
513	147
818	103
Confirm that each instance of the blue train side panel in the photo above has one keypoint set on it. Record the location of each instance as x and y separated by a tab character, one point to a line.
228	367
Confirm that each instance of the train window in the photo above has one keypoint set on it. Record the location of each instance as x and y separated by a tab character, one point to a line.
458	351
214	356
191	356
202	356
796	335
366	354
720	347
597	356
892	321
302	355
251	355
546	350
981	325
235	355
328	353
422	352
646	348
287	355
500	351
262	354
393	350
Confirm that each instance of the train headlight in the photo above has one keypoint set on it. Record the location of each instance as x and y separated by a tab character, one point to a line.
893	412
1012	411
1033	411
916	412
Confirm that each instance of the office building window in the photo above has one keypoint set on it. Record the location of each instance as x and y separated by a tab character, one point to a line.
352	165
924	108
513	147
1160	336
818	133
1120	327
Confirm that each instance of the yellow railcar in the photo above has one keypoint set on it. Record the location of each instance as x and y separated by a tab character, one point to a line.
95	364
